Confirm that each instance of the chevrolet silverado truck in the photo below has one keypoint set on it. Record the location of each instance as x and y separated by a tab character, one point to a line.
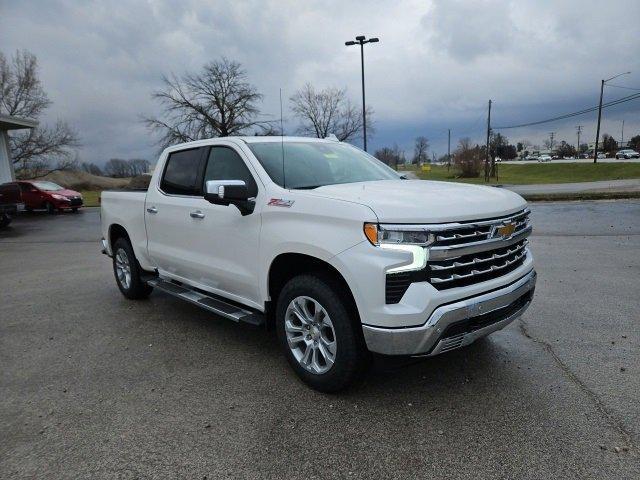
327	245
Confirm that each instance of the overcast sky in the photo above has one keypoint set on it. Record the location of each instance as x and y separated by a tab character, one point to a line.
436	66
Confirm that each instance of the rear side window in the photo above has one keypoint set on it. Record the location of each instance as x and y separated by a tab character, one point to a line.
224	163
181	173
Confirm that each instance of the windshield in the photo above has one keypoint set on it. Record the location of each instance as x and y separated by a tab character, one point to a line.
314	164
47	186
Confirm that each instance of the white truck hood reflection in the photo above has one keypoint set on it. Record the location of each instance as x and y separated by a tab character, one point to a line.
421	201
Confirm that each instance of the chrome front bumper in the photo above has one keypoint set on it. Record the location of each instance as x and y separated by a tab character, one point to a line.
456	324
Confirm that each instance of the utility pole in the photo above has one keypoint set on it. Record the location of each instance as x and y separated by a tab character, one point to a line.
551	137
361	40
579	129
449	150
622	136
486	164
595	150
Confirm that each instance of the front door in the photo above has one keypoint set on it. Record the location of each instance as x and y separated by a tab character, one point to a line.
225	241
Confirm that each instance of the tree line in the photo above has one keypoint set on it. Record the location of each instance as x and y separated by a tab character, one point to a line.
219	100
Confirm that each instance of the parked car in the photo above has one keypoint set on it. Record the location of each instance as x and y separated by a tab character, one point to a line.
9	203
602	155
531	158
40	194
627	154
326	244
544	158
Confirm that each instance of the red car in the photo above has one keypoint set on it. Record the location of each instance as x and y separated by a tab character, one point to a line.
48	195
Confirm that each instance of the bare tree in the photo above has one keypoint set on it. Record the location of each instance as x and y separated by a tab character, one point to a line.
217	102
44	149
118	168
391	156
420	150
138	166
467	159
327	112
91	168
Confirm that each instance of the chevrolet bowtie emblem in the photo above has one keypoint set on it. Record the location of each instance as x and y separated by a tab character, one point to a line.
505	231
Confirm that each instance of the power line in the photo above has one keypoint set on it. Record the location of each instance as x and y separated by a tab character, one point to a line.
620	86
573	114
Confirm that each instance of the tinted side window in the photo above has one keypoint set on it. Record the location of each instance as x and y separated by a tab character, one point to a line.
225	164
181	173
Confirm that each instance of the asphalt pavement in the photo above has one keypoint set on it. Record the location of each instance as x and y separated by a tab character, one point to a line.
96	386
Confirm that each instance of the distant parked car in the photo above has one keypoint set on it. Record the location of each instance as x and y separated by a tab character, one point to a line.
531	158
627	153
544	158
602	155
38	194
9	203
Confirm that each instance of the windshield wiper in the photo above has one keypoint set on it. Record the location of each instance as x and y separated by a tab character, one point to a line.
307	187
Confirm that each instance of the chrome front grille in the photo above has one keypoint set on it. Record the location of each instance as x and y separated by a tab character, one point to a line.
474	252
466	253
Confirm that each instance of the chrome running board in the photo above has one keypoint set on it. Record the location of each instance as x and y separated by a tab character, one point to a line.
208	302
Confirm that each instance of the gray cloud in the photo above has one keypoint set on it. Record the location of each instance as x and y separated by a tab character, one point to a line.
435	68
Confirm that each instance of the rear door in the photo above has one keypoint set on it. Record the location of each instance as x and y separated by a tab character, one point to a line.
168	206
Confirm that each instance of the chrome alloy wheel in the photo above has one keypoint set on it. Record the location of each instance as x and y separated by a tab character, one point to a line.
123	268
310	335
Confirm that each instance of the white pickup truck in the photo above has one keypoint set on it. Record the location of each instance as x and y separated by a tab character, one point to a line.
336	251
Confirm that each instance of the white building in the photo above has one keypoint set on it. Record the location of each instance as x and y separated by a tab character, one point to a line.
10	123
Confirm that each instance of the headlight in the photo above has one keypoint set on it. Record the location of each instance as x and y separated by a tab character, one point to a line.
59	197
406	238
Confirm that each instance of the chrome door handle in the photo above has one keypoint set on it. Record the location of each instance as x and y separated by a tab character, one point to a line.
152	210
197	214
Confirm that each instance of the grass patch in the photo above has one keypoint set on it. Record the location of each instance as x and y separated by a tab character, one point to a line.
562	197
543	173
91	197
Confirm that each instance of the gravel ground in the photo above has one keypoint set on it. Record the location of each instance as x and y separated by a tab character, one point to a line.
95	386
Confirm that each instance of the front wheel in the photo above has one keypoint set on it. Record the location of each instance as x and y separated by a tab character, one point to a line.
51	209
319	337
128	272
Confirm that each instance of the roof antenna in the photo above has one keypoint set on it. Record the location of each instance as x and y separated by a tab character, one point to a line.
284	182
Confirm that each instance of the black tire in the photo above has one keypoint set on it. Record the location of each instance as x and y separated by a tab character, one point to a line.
51	209
5	220
74	210
351	356
135	288
28	209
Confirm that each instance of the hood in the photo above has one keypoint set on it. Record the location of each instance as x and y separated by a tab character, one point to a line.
65	192
423	201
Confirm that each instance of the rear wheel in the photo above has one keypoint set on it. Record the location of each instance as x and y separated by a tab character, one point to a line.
74	210
51	209
319	337
128	272
5	220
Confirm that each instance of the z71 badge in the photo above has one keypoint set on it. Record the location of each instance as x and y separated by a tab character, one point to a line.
279	202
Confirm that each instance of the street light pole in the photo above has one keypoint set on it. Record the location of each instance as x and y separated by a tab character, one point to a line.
595	150
361	40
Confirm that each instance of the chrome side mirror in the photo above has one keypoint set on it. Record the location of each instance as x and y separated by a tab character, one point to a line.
228	192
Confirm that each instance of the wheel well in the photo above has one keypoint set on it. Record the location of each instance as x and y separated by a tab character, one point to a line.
115	232
288	265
